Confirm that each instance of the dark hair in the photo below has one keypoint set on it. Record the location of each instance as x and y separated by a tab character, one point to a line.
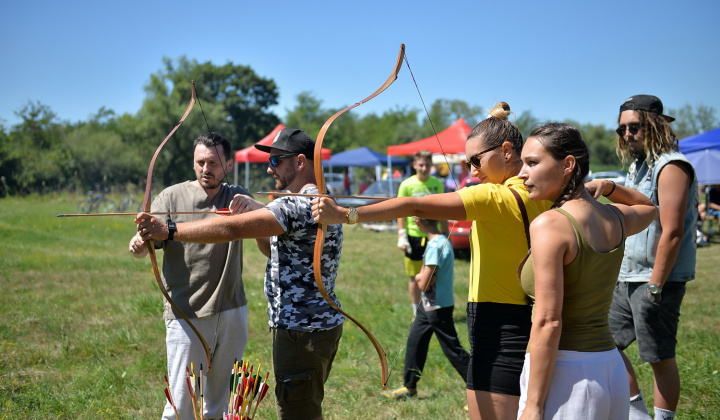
658	138
496	129
211	140
563	140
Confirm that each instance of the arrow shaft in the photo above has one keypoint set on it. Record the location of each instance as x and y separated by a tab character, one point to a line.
226	212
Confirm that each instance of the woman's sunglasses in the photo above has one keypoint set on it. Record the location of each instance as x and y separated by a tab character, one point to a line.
475	159
632	128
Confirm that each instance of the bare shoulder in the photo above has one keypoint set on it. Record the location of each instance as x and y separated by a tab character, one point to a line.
676	172
550	224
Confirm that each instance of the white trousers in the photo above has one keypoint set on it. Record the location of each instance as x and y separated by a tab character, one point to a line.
584	385
183	348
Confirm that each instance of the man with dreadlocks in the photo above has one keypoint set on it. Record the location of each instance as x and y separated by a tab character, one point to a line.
205	281
659	260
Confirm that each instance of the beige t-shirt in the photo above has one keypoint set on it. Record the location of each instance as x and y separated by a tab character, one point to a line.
202	279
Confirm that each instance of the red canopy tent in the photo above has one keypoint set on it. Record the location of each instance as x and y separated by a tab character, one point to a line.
251	154
452	140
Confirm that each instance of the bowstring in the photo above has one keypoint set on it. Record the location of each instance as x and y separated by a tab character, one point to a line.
432	125
223	163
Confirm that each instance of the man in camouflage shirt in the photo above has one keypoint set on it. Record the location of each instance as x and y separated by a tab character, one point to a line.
306	329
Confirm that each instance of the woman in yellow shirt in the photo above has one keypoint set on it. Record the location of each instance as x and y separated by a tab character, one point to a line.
498	312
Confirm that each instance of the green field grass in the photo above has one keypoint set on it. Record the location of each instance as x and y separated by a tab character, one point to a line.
81	334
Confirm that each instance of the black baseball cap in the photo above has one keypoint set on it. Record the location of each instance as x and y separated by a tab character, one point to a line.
648	103
292	140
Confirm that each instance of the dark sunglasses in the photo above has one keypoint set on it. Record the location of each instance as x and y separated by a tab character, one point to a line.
633	128
274	160
475	159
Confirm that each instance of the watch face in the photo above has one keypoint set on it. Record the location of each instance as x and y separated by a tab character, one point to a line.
352	215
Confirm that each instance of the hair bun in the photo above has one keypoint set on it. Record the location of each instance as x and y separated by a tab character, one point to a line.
501	110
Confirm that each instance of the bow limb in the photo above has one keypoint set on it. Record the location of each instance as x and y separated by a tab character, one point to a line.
150	246
322	229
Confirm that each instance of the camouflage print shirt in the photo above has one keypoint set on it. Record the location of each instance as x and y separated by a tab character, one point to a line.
294	301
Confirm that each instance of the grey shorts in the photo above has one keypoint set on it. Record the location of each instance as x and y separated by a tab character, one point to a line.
302	363
634	316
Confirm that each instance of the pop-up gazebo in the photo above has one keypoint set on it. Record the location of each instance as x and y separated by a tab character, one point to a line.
251	154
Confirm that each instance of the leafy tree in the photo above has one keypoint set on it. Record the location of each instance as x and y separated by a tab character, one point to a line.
100	155
34	154
395	126
444	112
8	165
691	120
232	100
525	122
601	144
309	116
244	96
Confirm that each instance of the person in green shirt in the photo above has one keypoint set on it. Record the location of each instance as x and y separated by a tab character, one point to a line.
410	239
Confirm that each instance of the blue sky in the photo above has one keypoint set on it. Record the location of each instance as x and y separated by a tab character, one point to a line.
559	59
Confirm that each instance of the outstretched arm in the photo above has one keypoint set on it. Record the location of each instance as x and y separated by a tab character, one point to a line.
254	224
435	206
243	204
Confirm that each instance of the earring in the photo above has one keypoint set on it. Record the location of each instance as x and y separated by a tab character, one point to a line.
507	157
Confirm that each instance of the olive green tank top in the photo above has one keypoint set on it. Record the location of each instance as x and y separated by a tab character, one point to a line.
589	282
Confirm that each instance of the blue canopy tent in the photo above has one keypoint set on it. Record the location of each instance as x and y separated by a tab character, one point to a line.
703	151
364	157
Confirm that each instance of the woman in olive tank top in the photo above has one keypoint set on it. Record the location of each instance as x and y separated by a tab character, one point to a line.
572	368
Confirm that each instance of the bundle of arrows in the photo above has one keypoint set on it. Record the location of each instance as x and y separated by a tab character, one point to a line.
246	389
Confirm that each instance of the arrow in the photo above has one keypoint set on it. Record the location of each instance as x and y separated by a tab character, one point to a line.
222	212
289	194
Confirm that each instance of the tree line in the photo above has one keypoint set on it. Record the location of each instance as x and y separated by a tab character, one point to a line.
42	153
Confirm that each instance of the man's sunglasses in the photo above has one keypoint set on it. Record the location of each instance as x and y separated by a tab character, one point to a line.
275	160
475	159
633	128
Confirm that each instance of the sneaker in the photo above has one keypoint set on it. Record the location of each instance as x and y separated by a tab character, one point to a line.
702	239
401	393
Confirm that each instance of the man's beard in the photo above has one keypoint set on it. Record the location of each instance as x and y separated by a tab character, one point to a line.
282	182
211	183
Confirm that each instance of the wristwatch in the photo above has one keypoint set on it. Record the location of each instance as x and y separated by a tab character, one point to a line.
654	289
172	228
352	216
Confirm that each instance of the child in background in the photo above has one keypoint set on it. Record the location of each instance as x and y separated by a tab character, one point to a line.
434	313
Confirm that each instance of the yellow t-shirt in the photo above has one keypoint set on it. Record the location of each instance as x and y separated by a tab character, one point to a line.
497	240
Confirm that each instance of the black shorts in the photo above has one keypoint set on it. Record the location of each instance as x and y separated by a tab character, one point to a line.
498	335
417	243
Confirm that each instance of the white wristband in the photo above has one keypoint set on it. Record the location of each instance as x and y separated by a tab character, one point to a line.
403	240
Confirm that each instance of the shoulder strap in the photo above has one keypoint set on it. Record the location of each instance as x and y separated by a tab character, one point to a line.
620	217
526	220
